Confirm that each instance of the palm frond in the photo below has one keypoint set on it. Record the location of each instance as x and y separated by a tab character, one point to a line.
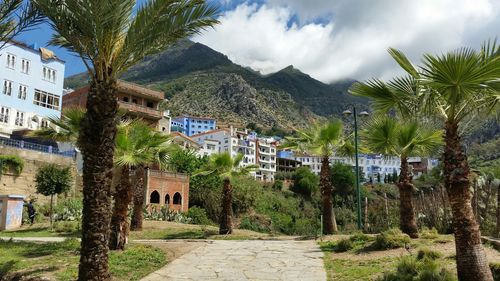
404	62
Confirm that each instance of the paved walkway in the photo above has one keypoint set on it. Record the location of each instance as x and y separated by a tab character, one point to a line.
247	260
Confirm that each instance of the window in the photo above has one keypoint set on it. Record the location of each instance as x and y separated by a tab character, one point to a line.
125	99
45	99
49	74
19	118
45	124
25	66
177	198
4	115
11	61
22	92
7	87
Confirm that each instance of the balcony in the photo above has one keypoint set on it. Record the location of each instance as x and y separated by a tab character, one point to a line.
131	88
140	110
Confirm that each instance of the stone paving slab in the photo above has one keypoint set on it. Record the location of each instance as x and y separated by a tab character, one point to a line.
247	260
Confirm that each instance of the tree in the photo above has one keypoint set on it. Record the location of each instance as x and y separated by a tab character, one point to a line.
226	167
305	182
11	162
454	87
110	37
184	161
137	145
389	136
322	139
16	16
53	180
343	178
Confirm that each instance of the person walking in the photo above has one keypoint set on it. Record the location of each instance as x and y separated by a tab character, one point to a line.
31	212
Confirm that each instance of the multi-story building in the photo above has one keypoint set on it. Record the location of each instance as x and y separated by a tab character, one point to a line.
190	125
137	101
32	85
256	151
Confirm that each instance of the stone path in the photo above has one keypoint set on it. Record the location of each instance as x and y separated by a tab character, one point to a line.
247	260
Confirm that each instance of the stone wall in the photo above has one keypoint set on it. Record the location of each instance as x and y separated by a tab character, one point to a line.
24	184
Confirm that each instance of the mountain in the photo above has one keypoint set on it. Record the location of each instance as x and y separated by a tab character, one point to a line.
200	81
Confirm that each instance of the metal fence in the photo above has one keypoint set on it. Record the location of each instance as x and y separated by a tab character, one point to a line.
36	147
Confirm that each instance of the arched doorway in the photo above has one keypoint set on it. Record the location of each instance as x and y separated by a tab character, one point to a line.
154	198
177	198
167	199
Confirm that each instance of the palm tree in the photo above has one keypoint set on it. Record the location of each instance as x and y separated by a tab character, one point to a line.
111	36
16	16
322	139
388	136
64	129
223	165
137	145
455	86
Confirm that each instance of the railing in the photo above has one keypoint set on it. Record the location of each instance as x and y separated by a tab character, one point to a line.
36	147
141	109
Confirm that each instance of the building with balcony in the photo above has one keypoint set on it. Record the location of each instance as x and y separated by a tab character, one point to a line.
190	125
137	101
266	159
31	87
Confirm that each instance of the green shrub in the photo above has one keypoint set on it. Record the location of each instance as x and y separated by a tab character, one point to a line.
428	254
495	269
256	222
278	185
198	216
429	233
68	210
412	269
344	245
360	237
305	182
390	239
67	226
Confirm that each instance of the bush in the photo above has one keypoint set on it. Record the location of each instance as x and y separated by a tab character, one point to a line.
390	239
305	182
198	216
67	226
495	269
411	269
156	213
278	185
256	222
428	254
429	233
68	210
344	245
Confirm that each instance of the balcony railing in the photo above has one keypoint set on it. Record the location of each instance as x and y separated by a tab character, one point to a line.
140	109
35	147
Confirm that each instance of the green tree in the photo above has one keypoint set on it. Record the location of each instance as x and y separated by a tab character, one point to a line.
343	178
454	87
226	167
11	162
53	180
137	145
184	161
305	182
388	136
110	37
322	139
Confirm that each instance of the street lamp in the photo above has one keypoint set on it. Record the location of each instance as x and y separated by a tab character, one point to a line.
358	193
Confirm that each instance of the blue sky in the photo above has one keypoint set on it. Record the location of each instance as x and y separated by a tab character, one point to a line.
334	39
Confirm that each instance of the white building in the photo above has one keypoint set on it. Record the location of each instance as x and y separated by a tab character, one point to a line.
256	151
32	86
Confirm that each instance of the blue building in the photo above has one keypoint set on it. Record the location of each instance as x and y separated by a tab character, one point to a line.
31	87
190	125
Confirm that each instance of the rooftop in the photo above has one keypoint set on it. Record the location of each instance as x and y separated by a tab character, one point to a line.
44	53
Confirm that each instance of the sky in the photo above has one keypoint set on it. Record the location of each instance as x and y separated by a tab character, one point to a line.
334	39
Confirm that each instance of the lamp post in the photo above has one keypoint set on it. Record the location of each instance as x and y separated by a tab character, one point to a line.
358	193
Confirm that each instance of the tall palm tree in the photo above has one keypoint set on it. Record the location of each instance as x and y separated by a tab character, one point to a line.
388	136
111	36
454	87
227	167
137	145
322	139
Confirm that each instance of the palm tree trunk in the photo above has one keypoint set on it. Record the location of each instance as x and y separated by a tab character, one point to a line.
329	222
226	217
97	143
138	200
407	219
471	258
497	232
119	220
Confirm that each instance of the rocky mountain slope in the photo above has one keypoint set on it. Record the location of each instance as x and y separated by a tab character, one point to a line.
200	81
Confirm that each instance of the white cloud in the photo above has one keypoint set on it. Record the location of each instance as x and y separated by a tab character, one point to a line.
352	43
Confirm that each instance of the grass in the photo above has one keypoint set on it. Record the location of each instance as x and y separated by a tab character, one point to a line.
38	230
60	260
354	270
